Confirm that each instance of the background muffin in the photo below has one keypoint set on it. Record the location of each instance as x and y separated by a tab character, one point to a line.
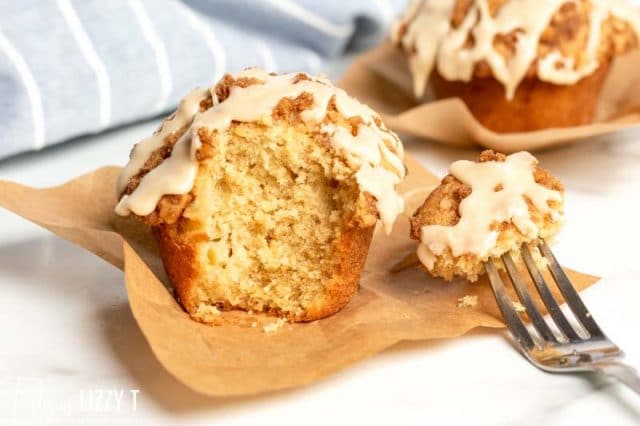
263	193
518	65
484	210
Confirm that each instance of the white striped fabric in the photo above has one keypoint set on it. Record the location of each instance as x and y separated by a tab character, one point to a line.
71	67
92	58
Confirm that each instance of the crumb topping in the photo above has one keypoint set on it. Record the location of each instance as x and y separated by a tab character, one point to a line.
559	41
476	201
192	133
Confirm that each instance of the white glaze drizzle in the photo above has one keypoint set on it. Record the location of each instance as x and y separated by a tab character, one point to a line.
375	152
485	206
434	43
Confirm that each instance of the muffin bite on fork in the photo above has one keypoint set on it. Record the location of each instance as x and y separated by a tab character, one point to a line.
485	209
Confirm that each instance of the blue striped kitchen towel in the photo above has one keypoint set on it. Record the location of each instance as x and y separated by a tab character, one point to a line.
73	67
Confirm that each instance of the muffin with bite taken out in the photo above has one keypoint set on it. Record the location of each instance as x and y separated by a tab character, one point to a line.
263	192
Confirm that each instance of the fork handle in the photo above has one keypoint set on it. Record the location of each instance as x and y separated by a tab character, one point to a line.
624	373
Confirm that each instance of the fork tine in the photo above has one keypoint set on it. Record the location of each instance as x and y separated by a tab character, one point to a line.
517	328
570	294
532	311
547	298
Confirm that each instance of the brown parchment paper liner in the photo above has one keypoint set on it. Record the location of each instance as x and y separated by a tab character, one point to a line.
236	358
381	79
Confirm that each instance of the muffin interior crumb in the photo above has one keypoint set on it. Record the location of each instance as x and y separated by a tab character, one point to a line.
274	211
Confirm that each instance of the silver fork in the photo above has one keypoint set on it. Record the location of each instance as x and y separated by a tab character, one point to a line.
569	349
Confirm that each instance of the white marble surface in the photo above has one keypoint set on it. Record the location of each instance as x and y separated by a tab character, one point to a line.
68	335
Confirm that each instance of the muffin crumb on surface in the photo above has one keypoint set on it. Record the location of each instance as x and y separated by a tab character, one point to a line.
519	307
274	326
467	301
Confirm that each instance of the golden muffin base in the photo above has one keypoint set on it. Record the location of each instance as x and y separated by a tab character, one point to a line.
537	105
351	253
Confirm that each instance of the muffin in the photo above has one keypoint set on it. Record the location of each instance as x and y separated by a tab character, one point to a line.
484	209
518	65
263	193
